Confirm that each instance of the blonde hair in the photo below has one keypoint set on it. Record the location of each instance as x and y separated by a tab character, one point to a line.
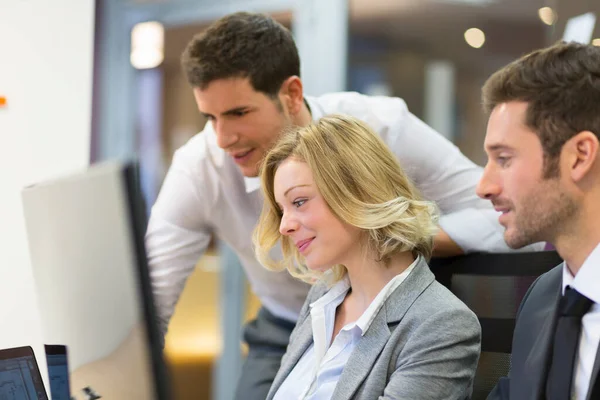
362	183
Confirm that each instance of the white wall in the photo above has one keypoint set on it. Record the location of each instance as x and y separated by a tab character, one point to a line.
46	52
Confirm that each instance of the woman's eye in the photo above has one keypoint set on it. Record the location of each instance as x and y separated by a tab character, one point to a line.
298	203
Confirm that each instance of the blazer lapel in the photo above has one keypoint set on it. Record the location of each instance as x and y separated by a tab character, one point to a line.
539	357
362	358
303	339
367	351
537	362
595	374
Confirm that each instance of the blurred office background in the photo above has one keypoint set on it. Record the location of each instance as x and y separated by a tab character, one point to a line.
435	54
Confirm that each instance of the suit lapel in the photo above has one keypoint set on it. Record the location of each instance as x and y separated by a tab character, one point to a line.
367	351
538	361
595	374
303	338
540	356
363	357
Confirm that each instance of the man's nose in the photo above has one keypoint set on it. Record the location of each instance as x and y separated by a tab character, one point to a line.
226	136
488	186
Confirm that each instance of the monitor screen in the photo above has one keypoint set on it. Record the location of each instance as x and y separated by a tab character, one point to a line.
58	372
20	377
86	240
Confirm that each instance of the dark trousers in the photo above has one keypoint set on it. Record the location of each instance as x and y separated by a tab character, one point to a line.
267	337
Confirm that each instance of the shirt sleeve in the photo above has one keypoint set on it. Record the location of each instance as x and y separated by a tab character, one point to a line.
177	236
443	175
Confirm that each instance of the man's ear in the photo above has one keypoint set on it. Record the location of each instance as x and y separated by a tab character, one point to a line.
291	94
580	154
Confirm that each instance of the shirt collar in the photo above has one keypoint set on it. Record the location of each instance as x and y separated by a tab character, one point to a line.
252	184
340	288
316	112
587	280
338	291
365	320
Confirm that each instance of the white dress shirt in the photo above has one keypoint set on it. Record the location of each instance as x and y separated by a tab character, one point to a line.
586	282
204	192
317	372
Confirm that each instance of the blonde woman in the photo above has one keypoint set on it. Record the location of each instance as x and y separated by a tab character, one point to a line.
375	324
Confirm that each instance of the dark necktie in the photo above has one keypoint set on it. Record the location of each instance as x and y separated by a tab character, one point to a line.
572	307
594	390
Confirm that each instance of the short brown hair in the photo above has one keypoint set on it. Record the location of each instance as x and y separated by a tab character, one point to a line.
561	85
242	45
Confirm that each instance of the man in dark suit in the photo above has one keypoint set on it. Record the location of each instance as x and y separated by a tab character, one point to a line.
543	176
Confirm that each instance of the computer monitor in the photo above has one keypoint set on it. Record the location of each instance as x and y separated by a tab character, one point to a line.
20	377
86	240
58	371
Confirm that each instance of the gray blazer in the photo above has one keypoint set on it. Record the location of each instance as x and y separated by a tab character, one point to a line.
532	341
424	343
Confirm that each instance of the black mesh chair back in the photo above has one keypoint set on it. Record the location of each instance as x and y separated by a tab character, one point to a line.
493	285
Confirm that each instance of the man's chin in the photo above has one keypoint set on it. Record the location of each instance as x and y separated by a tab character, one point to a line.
514	241
249	172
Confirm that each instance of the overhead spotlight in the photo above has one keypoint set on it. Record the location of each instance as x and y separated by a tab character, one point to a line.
547	15
147	45
475	37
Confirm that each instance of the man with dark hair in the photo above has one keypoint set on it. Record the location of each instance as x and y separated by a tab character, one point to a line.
245	74
543	175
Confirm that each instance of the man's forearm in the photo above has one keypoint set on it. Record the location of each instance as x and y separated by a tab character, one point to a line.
444	246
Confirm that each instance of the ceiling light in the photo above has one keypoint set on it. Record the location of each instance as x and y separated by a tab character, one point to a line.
547	15
147	45
475	37
469	2
596	42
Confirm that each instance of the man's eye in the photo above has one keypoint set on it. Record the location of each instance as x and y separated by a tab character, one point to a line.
503	160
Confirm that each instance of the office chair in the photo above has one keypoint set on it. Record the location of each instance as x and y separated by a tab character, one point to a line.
493	285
